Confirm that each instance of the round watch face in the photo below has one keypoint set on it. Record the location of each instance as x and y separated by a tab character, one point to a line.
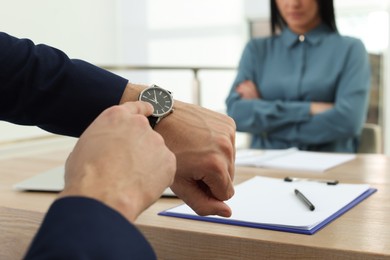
161	100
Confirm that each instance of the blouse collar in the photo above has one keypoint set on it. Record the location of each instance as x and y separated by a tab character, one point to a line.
313	37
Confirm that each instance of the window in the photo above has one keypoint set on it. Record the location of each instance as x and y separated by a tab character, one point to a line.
190	33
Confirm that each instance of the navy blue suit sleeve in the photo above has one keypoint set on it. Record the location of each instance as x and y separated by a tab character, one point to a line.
40	85
83	228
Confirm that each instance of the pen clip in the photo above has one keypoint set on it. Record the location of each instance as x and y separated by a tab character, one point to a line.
328	182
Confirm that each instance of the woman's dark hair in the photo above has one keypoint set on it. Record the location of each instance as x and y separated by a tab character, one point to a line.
325	8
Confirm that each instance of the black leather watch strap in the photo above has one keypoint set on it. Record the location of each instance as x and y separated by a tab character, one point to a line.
152	121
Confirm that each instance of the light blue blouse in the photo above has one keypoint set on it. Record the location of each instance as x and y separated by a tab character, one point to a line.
290	73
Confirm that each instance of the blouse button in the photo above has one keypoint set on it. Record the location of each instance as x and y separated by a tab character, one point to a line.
301	38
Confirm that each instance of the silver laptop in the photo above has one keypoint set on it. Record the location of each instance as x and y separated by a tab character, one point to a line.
53	180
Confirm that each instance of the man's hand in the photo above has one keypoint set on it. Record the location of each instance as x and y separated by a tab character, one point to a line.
120	161
247	90
203	142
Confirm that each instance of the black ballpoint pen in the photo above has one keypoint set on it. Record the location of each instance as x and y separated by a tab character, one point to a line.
304	199
329	182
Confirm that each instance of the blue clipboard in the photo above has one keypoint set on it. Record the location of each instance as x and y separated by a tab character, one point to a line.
310	231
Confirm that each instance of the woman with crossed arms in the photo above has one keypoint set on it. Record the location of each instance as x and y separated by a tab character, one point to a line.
305	87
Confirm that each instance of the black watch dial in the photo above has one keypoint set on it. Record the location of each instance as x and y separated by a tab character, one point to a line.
160	98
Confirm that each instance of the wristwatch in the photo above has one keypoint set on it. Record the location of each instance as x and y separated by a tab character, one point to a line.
162	101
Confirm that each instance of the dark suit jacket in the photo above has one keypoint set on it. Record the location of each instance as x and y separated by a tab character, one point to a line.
40	85
82	228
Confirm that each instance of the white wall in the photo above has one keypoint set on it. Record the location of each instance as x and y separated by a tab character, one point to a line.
84	29
183	33
256	9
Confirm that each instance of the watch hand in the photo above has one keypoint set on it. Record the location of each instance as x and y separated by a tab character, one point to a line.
154	101
155	98
160	105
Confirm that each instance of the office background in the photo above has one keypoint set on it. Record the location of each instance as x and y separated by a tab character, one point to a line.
183	36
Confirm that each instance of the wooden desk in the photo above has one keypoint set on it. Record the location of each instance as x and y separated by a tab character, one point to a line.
361	233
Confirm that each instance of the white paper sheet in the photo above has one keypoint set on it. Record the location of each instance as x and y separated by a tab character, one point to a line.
291	159
272	201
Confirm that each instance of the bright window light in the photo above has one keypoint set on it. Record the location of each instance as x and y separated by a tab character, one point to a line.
372	28
170	14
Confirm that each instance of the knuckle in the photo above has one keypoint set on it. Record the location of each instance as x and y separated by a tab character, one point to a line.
140	120
172	160
114	110
158	139
228	126
231	126
168	167
215	164
113	114
172	163
230	121
225	145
